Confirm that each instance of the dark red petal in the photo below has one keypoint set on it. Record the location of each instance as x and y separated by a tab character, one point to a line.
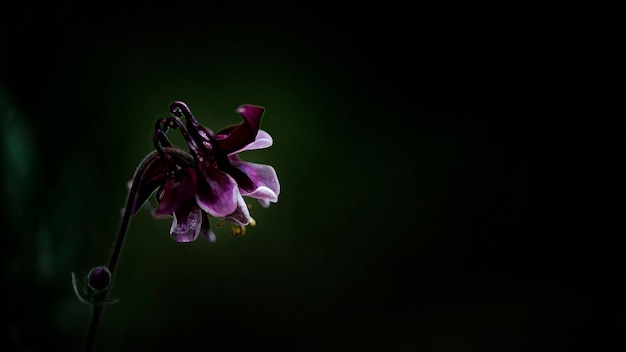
243	180
152	176
177	191
233	138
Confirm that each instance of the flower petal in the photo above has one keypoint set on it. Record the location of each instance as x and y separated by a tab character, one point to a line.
205	230
217	192
236	137
241	215
263	140
265	179
152	173
151	177
177	191
187	223
264	195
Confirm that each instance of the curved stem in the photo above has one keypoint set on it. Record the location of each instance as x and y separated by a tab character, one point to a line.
97	308
117	249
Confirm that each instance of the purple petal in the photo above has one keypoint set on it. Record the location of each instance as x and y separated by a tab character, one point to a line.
205	230
265	179
154	173
152	176
187	223
264	195
241	215
263	140
236	137
217	192
177	192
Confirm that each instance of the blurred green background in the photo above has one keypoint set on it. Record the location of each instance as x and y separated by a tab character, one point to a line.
450	176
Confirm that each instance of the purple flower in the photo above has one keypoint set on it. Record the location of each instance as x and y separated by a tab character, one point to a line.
208	180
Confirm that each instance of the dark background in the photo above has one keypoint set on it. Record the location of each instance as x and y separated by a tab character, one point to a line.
451	175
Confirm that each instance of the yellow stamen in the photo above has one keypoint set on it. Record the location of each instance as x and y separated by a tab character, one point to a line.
237	230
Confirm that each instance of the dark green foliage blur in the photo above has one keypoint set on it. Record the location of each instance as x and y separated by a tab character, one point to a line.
450	177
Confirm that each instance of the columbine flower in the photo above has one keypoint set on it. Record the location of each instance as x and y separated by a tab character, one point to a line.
207	180
210	179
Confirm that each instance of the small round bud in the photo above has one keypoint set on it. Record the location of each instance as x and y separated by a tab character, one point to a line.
99	278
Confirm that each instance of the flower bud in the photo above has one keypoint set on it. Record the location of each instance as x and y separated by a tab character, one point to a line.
99	278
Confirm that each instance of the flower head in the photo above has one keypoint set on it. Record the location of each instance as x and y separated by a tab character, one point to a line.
209	179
